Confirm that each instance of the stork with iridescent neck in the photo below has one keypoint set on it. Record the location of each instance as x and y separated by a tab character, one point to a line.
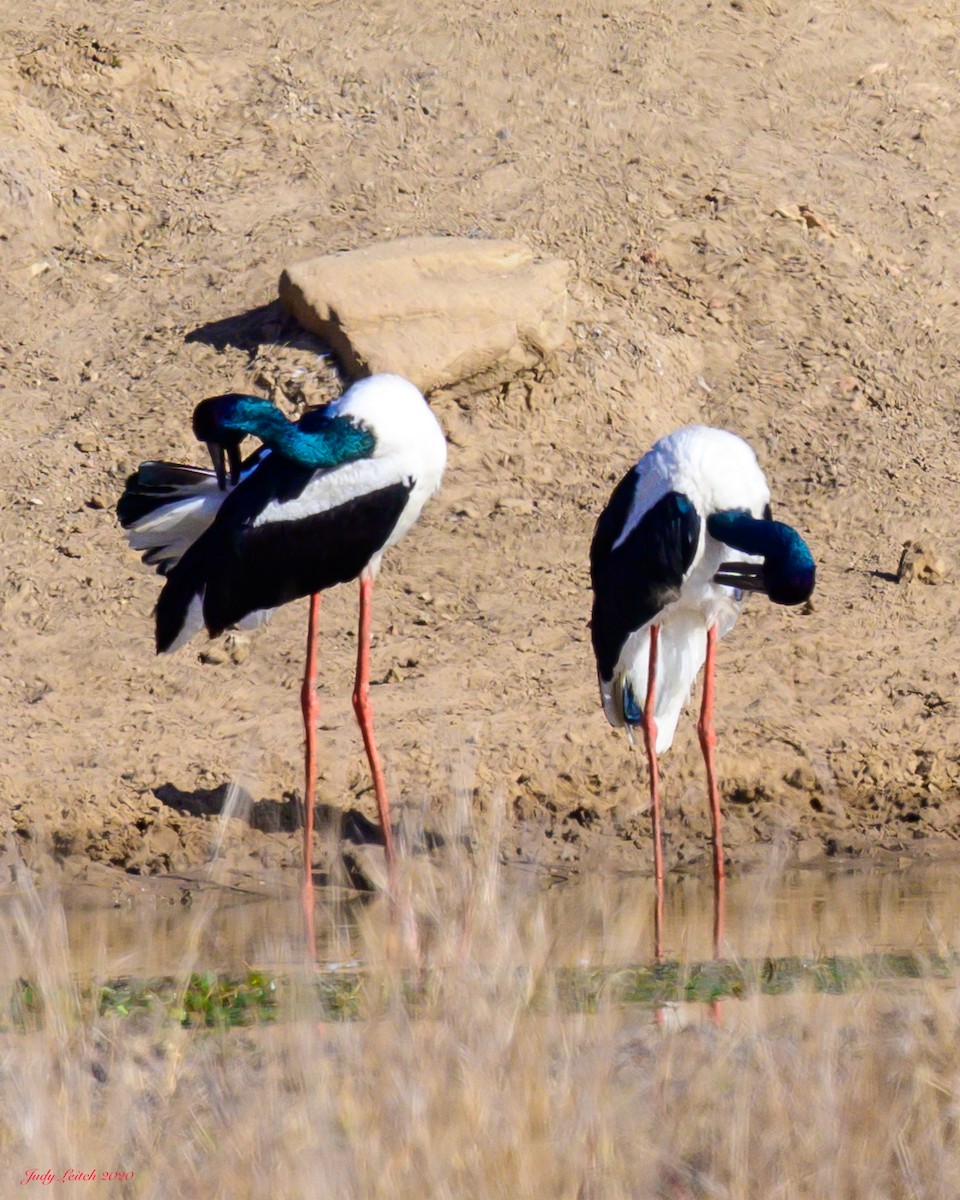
316	505
685	533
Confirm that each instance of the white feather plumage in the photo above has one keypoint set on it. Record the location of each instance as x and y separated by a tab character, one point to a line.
409	448
716	471
168	532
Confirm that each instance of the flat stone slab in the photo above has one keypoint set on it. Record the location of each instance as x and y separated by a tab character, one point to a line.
438	310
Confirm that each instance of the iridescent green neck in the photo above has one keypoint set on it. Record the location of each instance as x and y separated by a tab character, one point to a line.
789	571
316	441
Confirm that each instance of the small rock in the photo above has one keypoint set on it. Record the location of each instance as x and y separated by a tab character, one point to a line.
437	310
814	220
237	648
789	212
803	778
214	656
920	561
87	446
516	504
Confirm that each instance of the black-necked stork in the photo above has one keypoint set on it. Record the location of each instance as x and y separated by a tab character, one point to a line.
686	531
315	505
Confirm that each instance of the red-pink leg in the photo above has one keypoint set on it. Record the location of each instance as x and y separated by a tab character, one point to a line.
361	706
310	706
708	743
650	741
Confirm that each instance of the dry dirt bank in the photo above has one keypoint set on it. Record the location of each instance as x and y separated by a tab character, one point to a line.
758	202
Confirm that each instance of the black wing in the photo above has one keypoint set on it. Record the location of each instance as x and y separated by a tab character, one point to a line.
240	568
634	578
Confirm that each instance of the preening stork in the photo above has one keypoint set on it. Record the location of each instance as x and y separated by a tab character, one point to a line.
316	505
686	532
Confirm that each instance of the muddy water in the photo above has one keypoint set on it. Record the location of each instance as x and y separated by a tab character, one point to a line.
810	913
160	926
165	927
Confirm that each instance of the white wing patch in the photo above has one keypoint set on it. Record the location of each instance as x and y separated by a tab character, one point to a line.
168	532
653	486
331	488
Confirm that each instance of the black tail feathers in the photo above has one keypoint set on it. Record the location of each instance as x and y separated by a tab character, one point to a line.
179	612
154	485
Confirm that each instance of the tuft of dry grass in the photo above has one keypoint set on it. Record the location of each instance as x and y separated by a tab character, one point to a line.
485	1083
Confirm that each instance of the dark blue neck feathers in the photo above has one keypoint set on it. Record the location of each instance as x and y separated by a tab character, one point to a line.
315	441
789	571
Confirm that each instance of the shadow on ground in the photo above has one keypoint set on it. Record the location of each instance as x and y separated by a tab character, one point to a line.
267	325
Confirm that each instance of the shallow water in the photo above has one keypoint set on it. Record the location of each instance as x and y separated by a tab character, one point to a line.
160	928
802	912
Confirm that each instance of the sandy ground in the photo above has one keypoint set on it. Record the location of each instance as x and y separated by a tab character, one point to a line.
758	202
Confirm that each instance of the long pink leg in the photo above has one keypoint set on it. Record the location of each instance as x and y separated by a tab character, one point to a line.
650	741
310	706
361	706
708	743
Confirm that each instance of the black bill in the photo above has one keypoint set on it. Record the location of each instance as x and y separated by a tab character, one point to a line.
747	576
218	458
222	458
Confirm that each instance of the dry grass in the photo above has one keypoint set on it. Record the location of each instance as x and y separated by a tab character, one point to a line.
488	1086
